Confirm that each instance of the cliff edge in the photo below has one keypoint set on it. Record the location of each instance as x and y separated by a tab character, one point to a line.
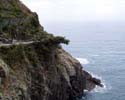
33	65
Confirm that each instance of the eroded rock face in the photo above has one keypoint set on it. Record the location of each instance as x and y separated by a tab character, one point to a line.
39	70
38	74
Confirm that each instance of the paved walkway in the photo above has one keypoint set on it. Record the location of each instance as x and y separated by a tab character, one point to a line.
15	43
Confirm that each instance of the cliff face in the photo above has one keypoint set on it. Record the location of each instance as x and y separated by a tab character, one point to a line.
37	70
18	22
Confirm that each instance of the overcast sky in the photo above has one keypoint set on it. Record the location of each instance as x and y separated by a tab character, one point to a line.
78	10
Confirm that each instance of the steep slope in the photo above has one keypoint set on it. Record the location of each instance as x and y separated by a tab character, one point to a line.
18	22
40	69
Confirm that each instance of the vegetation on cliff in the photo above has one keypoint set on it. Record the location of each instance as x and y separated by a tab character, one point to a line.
40	70
19	23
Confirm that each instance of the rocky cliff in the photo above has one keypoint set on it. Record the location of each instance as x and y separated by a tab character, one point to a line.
33	65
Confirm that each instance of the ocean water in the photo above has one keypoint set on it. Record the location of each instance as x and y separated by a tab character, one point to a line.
105	59
101	50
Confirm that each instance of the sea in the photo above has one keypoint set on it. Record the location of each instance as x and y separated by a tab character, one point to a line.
100	48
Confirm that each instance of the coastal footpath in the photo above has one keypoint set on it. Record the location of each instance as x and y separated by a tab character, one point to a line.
33	65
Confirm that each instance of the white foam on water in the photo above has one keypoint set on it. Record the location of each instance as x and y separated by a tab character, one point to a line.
98	89
83	61
101	89
106	87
